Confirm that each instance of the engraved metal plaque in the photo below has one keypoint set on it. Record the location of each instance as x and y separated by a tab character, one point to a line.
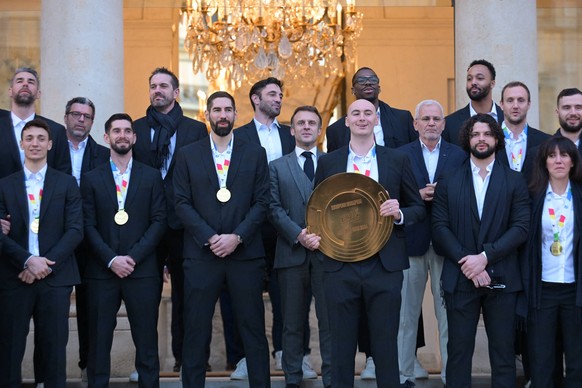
344	210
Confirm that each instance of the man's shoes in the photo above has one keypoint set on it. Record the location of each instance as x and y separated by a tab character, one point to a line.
308	372
407	384
369	371
279	360
134	377
419	372
241	372
178	366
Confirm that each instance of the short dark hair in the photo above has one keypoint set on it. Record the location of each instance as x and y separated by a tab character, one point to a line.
485	63
219	94
306	108
163	70
39	123
258	87
79	100
360	69
567	93
541	176
25	69
467	129
515	84
117	116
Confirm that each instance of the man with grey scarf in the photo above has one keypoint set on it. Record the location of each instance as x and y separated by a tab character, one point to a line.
160	134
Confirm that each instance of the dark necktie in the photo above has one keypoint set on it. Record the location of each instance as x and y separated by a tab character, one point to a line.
308	165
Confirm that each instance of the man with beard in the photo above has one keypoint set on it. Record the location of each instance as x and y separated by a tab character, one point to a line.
479	84
394	128
125	218
162	132
85	154
24	91
266	97
222	194
569	112
480	217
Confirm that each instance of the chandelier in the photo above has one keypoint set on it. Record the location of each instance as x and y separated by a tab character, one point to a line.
300	41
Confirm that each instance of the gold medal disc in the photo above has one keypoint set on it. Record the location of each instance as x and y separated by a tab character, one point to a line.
556	248
223	195
34	226
121	217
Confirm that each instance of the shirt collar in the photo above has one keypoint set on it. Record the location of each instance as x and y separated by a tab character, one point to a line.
38	175
82	145
16	119
509	135
492	112
274	124
370	155
475	169
299	151
567	193
424	147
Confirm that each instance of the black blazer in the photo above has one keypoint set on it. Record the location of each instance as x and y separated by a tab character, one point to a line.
58	157
95	155
189	131
451	157
145	204
249	133
395	175
396	125
196	184
457	230
455	121
61	228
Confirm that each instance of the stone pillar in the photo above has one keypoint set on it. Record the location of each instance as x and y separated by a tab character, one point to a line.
82	55
504	32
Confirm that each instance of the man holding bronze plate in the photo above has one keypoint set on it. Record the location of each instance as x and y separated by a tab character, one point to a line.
368	282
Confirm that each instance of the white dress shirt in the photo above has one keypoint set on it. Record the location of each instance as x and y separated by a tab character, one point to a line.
480	185
270	139
18	125
77	158
34	183
431	158
301	158
492	113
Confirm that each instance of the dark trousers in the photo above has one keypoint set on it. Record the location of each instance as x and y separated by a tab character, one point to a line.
463	312
558	310
356	288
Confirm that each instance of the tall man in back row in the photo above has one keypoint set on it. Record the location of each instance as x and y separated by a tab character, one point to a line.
371	286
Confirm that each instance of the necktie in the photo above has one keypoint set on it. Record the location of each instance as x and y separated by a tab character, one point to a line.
308	165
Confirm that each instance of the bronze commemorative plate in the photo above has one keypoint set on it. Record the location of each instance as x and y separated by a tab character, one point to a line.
344	210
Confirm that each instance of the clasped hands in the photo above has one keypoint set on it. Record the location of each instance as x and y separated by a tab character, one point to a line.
37	268
473	267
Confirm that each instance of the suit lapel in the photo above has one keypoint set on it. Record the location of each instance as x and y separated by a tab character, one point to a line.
21	196
491	204
208	164
50	180
304	185
108	181
236	159
387	120
8	134
252	132
419	160
134	183
443	159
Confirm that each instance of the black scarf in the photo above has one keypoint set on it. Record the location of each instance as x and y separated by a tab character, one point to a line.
164	126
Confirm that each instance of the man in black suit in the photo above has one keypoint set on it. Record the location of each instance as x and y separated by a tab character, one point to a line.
125	218
222	194
372	286
431	158
394	128
480	82
38	268
569	112
85	155
299	271
480	218
160	133
24	91
266	97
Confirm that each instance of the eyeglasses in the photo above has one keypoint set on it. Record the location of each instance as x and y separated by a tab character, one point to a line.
77	116
427	119
372	80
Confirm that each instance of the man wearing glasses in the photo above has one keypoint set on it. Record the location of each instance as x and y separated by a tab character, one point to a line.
394	128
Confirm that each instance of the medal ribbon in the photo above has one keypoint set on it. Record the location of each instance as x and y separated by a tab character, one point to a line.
516	156
366	163
222	162
557	227
120	184
33	204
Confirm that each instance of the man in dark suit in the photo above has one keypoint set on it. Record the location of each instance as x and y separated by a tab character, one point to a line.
266	97
85	155
24	91
569	112
38	268
431	158
222	194
394	128
372	286
480	218
160	134
299	271
124	207
480	82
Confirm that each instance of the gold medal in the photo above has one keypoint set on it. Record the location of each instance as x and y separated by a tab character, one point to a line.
121	217
223	195
34	226
556	248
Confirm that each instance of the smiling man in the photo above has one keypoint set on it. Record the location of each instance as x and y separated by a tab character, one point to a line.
569	112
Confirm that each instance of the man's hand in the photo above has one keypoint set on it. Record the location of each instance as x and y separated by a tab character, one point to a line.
26	276
123	266
5	223
224	245
309	240
473	265
482	280
166	275
427	193
389	208
39	266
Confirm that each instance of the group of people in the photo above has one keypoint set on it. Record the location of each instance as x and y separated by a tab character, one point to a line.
222	210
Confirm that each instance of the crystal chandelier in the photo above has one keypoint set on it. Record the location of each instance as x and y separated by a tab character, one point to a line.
300	41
